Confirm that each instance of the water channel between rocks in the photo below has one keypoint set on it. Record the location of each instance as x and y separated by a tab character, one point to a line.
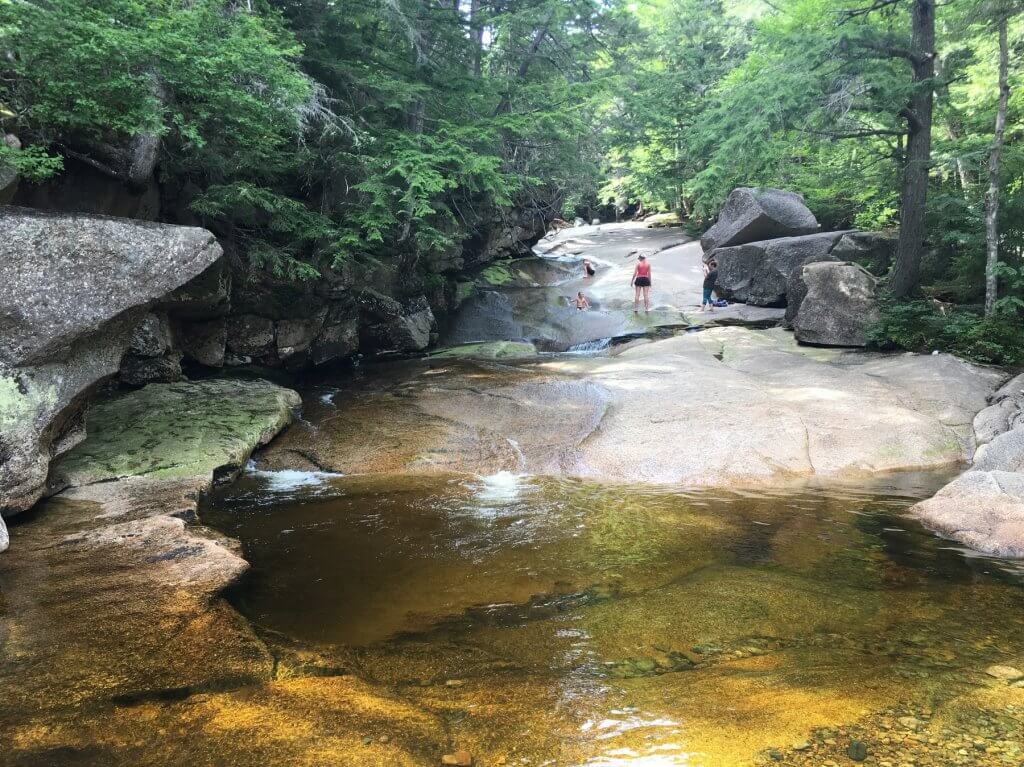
556	621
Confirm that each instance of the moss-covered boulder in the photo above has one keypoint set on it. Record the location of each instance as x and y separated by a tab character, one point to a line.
176	430
494	350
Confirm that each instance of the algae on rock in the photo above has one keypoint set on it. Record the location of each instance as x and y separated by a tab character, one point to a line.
176	430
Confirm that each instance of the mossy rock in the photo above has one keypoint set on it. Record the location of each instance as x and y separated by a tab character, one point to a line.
496	350
176	430
497	275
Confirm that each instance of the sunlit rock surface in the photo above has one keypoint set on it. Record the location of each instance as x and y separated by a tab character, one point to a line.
984	508
723	407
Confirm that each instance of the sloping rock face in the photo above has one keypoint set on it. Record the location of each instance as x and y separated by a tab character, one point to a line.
984	508
678	410
73	289
839	306
751	214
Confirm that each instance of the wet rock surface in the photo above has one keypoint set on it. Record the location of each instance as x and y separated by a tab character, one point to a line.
816	414
396	618
111	594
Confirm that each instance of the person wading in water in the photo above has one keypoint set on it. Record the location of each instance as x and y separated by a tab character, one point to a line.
642	282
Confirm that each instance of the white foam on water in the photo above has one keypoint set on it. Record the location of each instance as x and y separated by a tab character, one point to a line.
286	480
502	487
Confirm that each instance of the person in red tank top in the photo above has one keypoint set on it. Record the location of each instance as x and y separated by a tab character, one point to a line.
642	282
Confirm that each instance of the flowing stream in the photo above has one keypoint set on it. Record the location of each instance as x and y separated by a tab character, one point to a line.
556	621
581	623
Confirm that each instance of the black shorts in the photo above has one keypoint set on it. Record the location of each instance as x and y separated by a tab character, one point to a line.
642	282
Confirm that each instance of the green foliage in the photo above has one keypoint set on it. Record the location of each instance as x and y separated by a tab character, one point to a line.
920	326
32	163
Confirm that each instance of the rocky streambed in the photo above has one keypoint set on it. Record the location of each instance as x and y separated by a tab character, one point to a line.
687	548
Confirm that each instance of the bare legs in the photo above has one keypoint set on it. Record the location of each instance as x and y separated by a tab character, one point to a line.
646	289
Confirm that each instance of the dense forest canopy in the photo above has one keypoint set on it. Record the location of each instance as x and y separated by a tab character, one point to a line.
322	132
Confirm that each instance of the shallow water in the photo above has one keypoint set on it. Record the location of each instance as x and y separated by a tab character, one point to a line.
585	623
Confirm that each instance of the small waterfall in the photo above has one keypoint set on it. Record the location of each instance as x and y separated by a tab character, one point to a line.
520	458
590	347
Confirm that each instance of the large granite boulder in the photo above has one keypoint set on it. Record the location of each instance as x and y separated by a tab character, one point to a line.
839	307
751	214
389	325
759	273
872	250
73	289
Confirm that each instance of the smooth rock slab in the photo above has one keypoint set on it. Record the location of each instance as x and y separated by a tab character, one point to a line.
723	407
176	430
982	509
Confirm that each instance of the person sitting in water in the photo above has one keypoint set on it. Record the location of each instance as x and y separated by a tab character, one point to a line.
588	270
642	282
710	277
582	304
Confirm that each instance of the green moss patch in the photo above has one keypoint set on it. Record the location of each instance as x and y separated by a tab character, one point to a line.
176	430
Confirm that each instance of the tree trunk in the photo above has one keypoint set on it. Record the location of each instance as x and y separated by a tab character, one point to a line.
476	27
917	161
505	106
992	196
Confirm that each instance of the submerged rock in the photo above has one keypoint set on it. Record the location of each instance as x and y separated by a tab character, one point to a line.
73	288
752	213
839	306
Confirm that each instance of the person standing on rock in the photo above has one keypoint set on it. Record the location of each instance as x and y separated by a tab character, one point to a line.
642	282
710	278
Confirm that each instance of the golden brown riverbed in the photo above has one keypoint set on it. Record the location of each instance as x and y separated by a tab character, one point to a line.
553	622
